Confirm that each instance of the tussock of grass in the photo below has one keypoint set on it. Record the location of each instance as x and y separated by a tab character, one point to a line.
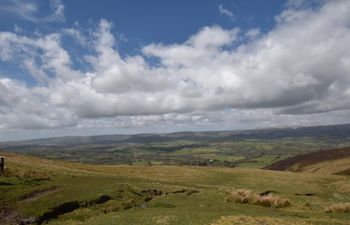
338	208
244	196
273	201
244	220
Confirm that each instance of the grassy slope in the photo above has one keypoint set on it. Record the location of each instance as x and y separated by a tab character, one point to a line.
333	161
86	182
339	166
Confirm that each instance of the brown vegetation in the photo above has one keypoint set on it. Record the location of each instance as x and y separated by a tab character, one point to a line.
253	220
338	208
244	196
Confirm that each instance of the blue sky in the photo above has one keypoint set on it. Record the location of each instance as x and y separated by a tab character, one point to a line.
138	23
144	22
91	67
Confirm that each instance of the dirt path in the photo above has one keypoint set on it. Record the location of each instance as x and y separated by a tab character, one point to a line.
40	193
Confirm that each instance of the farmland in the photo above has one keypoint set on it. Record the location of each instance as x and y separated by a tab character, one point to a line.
253	148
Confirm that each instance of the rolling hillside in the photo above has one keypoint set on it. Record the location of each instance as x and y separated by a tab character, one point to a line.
38	191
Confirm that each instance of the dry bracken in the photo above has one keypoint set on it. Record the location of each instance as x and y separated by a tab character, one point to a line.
244	196
338	208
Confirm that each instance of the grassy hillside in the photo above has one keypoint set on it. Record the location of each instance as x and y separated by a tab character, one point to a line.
56	192
333	161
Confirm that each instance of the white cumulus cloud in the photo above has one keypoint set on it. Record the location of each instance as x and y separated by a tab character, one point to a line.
300	67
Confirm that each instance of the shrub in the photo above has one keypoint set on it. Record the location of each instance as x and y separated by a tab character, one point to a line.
338	208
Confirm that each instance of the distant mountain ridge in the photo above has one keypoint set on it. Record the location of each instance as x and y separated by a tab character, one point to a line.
336	131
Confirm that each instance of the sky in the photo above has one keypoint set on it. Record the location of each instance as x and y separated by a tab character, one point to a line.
120	67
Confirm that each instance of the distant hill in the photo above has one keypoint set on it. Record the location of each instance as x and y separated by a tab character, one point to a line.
333	161
332	131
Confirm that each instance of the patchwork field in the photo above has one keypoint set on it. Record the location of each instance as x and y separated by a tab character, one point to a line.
36	190
252	149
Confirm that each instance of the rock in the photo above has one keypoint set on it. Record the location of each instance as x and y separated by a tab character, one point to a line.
28	220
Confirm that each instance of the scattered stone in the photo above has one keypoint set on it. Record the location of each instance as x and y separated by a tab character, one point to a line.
28	220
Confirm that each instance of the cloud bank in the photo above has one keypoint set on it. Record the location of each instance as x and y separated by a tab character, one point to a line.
217	76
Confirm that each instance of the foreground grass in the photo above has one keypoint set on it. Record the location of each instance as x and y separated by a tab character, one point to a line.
308	194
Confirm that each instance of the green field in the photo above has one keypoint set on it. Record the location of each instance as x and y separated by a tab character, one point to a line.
57	192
